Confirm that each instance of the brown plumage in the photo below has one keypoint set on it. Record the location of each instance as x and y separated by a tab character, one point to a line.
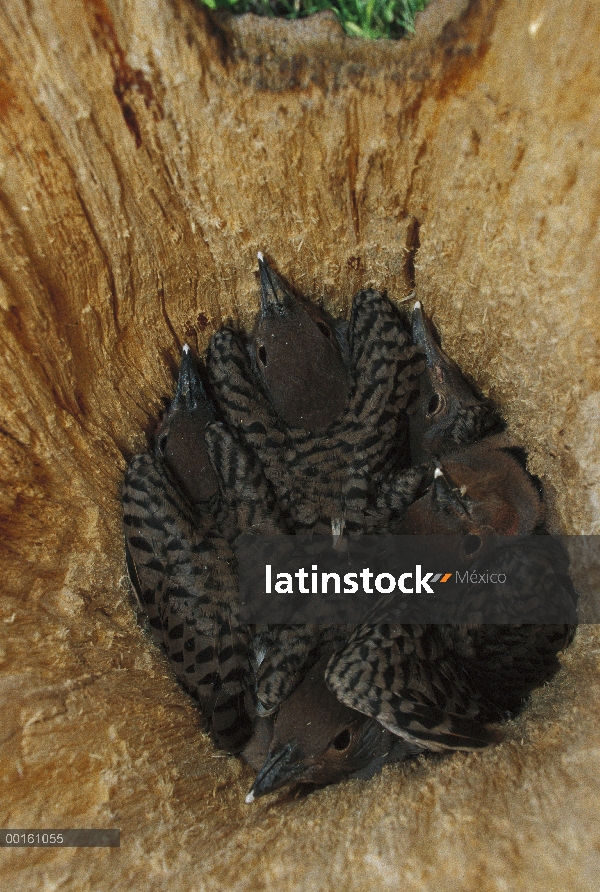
482	490
181	439
179	529
298	356
324	478
316	739
437	688
313	438
449	413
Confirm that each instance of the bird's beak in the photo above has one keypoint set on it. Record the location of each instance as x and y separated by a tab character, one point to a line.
443	373
423	336
190	392
274	296
337	528
281	767
446	492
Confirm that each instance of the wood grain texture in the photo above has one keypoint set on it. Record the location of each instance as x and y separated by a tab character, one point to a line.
147	151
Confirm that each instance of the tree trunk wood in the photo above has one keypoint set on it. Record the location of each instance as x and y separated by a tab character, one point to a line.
148	150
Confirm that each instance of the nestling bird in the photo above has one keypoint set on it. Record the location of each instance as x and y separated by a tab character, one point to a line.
458	445
322	456
299	356
317	740
449	413
509	634
179	531
388	693
147	475
481	490
323	476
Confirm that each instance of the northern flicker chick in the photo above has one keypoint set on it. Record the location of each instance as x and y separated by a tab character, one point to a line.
449	412
388	693
297	350
315	739
181	440
182	563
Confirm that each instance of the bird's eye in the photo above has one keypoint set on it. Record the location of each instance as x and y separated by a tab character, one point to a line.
323	328
436	404
262	355
471	544
342	741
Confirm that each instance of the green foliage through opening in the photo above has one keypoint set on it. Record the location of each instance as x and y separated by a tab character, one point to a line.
360	18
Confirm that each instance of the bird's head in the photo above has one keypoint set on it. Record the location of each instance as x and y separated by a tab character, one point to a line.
298	355
481	491
317	740
449	412
180	440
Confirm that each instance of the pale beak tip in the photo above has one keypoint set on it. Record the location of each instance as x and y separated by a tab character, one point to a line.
337	528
